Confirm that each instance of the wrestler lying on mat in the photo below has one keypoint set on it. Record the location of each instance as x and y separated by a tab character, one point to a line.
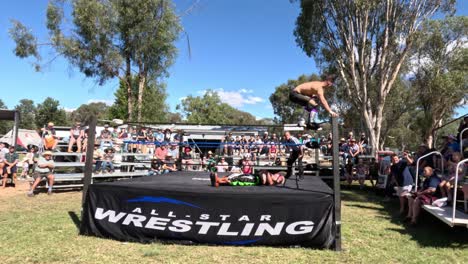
241	179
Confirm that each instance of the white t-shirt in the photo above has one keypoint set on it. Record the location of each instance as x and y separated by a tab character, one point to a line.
222	166
41	162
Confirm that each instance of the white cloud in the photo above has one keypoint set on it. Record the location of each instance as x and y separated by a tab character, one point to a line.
107	102
236	98
182	98
69	109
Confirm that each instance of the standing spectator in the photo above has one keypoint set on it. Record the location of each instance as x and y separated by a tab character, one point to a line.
296	153
401	177
363	143
108	158
141	138
44	170
106	138
133	146
361	170
373	171
50	140
167	135
76	136
123	136
228	144
426	195
222	165
150	141
10	168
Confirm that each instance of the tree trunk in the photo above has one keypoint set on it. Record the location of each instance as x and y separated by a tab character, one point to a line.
141	88
128	81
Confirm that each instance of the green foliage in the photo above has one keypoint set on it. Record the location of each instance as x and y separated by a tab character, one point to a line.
284	109
109	39
440	79
85	112
5	126
27	111
49	111
210	110
154	107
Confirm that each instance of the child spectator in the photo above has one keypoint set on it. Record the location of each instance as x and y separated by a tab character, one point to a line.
246	164
361	170
107	160
97	158
187	159
44	170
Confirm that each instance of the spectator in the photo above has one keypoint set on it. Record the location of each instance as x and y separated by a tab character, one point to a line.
353	151
363	143
28	162
161	152
179	136
237	146
50	140
210	162
426	195
228	144
133	147
246	164
84	144
76	137
106	138
269	178
350	136
187	162
449	180
174	150
463	125
107	162
402	178
243	144
373	171
141	138
168	164
222	165
150	141
10	168
167	135
155	167
159	137
44	170
97	158
361	170
296	153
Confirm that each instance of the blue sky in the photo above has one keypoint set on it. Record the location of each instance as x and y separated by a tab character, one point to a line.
243	49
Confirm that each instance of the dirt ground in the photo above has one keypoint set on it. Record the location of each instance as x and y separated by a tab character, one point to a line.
22	186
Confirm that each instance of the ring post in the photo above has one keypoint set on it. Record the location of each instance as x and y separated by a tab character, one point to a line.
336	183
88	170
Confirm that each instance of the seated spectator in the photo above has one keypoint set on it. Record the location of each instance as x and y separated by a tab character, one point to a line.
156	167
161	152
222	165
363	142
168	164
44	170
10	168
50	140
106	138
29	161
76	137
246	164
448	180
150	141
228	144
159	137
133	147
187	162
209	162
237	146
361	170
107	160
174	150
272	150
141	138
426	195
269	178
353	151
167	135
243	144
98	155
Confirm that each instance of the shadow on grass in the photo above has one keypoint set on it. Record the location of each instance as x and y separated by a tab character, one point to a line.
76	220
430	231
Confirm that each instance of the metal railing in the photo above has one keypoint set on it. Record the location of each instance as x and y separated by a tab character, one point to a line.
454	208
461	140
417	166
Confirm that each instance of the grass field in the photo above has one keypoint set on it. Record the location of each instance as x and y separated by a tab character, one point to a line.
43	230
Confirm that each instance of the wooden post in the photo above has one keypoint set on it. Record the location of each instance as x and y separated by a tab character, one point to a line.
16	129
88	169
336	183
